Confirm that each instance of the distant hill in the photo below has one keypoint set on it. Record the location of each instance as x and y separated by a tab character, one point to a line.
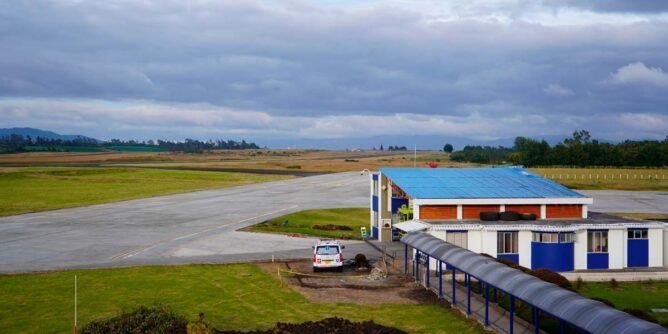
34	133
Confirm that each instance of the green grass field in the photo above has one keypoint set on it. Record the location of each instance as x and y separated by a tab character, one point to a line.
637	295
608	178
302	223
45	188
232	297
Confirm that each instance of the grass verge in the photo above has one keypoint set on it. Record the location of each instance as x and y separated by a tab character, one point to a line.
608	178
632	295
306	223
240	296
45	188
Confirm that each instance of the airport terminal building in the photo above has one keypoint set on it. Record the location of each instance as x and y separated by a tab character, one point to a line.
514	214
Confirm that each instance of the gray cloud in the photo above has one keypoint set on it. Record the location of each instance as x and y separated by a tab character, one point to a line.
612	6
300	69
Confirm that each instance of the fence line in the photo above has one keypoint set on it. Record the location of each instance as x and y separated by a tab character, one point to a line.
606	177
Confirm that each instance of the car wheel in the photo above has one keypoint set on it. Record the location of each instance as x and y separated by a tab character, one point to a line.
315	269
341	269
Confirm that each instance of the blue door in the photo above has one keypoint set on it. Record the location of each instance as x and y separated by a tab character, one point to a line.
637	248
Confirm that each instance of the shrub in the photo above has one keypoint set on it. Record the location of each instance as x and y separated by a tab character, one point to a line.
149	320
642	314
614	284
603	300
199	327
579	283
552	277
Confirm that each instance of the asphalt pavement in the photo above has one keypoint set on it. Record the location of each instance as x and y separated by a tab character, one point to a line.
201	227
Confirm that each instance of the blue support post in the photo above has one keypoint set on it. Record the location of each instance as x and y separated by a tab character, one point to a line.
536	324
479	287
511	315
440	279
428	273
417	266
562	327
468	294
486	303
406	259
454	287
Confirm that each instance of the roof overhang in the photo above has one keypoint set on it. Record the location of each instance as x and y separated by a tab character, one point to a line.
506	201
412	226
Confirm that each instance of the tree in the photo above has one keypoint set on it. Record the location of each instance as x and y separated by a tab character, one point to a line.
381	147
447	148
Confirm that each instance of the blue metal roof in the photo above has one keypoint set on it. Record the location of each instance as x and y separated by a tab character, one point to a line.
457	183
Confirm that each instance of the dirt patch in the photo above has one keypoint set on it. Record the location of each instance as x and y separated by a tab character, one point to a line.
332	227
326	326
349	286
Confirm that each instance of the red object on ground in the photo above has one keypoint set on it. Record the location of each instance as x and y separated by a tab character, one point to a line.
432	164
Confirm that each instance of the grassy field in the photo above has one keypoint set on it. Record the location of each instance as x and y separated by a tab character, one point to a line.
303	223
637	295
37	189
608	178
231	296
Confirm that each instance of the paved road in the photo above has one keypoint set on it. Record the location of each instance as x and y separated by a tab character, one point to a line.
192	227
628	201
201	226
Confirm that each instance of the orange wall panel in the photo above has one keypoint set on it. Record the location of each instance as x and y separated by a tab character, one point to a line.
564	211
473	211
438	212
535	209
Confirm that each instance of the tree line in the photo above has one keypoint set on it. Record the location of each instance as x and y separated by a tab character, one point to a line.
17	143
579	150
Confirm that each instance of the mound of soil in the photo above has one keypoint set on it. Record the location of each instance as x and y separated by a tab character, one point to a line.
332	227
326	326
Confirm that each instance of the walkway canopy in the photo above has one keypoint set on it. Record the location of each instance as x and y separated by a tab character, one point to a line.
584	313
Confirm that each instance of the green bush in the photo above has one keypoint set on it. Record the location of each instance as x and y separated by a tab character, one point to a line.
146	320
552	277
603	300
642	314
199	327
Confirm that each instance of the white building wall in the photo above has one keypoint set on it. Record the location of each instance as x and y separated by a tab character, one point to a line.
655	240
524	247
625	249
439	234
580	249
665	247
416	211
489	242
475	241
616	249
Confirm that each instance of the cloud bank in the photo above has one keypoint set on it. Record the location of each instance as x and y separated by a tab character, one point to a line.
332	70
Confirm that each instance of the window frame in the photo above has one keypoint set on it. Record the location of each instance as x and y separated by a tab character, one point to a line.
595	240
501	242
637	234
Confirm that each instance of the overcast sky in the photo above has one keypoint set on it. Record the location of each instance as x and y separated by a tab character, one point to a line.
335	69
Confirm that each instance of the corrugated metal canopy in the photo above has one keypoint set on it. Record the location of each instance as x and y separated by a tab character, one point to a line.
452	183
584	313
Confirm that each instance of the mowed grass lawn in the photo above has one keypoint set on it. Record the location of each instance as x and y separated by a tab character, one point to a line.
637	295
239	296
608	178
45	188
303	222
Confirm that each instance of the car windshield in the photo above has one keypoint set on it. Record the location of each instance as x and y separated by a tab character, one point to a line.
327	250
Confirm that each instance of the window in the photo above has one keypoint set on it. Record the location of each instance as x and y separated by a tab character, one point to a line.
637	234
553	237
457	238
597	241
506	243
545	237
566	237
327	250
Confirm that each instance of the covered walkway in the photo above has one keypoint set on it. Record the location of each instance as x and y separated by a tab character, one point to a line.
488	284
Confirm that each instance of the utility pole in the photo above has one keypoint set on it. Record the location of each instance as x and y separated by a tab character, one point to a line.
415	156
75	304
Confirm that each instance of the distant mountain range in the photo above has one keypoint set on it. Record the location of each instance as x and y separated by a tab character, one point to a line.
34	133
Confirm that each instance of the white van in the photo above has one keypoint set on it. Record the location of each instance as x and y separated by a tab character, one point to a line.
328	254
